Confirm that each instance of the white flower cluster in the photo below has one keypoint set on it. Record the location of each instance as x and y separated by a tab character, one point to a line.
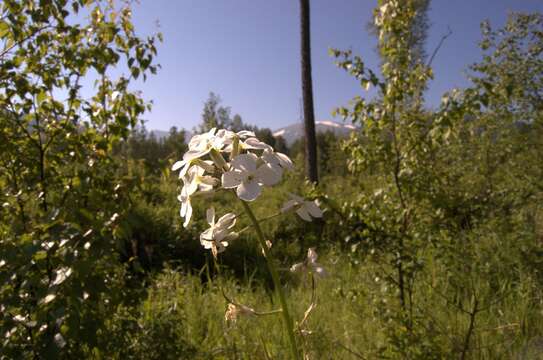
223	159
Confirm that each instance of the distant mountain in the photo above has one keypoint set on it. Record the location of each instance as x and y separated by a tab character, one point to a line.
290	133
294	132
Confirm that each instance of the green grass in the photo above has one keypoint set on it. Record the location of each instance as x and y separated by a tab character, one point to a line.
355	317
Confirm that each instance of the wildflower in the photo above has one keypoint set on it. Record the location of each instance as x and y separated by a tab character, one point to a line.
248	178
305	209
199	146
309	265
229	136
218	235
278	161
233	144
186	206
235	310
196	180
193	181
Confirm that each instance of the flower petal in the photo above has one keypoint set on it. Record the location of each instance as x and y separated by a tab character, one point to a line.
185	202
313	208
188	214
245	162
210	215
270	158
267	175
206	237
226	221
288	205
183	210
245	133
248	190
254	143
193	154
303	213
178	165
232	178
285	161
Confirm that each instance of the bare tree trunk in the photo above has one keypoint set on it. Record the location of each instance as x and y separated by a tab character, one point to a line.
307	91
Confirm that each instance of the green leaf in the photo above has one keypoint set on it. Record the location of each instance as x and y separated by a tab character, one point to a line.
4	29
41	97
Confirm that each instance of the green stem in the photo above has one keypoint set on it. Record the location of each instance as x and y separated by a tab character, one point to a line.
289	324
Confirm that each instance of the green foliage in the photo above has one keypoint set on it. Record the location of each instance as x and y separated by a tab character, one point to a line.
155	153
332	158
351	320
433	227
62	190
216	116
443	188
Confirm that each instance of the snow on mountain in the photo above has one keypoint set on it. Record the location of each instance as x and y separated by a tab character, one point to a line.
294	132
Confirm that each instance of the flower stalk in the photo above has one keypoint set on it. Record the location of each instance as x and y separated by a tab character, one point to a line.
287	319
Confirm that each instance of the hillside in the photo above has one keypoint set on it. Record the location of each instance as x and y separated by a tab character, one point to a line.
294	132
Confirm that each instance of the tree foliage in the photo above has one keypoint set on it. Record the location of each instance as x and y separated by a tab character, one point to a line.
58	177
438	180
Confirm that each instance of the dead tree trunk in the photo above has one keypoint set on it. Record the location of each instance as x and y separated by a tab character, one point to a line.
307	93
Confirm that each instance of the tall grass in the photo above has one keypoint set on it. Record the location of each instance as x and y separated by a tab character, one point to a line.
183	317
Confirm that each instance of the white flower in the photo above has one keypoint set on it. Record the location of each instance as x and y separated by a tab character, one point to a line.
231	138
309	265
248	178
186	206
219	233
193	181
278	161
245	134
228	136
305	209
199	146
202	142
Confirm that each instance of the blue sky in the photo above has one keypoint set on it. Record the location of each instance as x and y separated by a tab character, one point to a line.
247	51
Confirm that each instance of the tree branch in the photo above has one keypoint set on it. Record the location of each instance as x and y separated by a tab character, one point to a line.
441	41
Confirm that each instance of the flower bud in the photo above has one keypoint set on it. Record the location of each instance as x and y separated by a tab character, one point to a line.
218	159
